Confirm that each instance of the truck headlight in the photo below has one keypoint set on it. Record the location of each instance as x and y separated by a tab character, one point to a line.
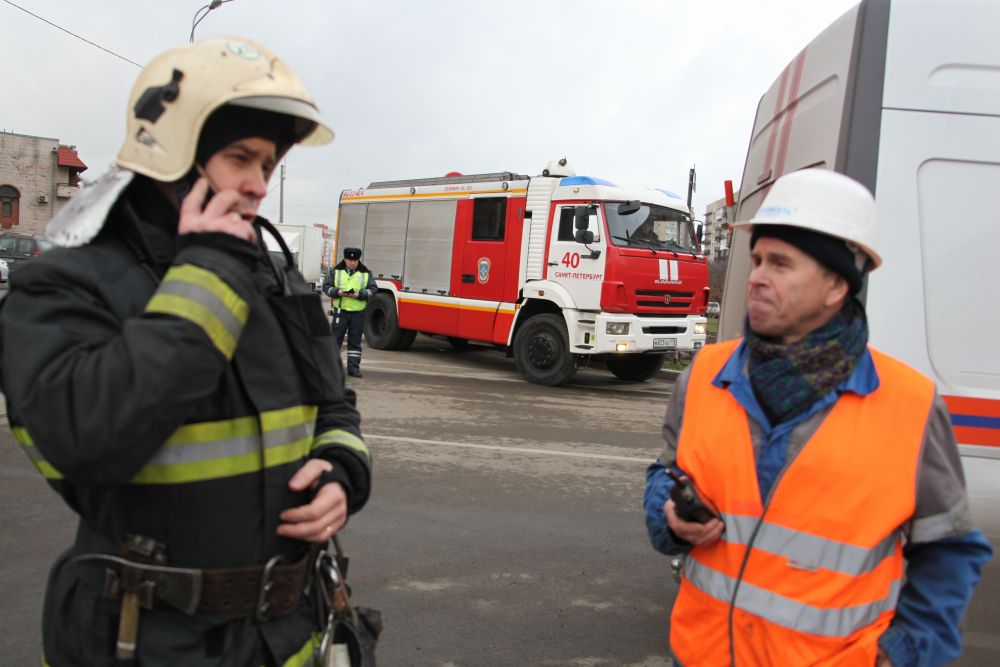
617	328
700	329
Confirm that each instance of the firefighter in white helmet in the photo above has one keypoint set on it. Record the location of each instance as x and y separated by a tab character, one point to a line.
179	388
820	495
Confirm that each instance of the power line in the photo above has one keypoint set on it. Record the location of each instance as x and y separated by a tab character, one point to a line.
83	39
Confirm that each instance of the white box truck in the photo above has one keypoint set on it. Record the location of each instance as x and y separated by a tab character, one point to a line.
306	244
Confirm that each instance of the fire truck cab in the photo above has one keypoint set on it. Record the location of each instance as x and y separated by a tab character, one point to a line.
555	269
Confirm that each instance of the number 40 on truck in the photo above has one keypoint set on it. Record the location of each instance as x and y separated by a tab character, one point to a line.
558	270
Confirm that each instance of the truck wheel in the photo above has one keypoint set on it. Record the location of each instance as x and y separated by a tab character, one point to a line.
382	330
541	350
636	367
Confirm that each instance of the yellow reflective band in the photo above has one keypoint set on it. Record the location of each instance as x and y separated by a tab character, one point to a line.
211	450
190	310
207	431
286	417
305	654
23	438
339	437
293	451
201	297
210	282
198	471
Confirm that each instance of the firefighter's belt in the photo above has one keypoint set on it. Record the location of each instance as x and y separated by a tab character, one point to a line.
259	592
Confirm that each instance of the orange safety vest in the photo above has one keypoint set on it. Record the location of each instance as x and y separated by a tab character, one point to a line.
816	571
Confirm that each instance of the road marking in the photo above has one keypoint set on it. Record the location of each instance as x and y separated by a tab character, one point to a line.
383	366
501	448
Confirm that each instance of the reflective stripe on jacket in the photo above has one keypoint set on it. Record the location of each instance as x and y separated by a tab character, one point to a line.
814	572
355	282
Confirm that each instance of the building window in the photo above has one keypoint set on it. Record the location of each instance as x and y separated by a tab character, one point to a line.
9	198
488	216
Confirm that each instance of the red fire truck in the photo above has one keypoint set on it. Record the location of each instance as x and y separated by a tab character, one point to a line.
556	269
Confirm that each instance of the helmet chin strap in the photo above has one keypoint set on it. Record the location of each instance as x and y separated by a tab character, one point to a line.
181	188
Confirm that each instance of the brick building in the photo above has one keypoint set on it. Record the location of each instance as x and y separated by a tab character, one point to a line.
38	176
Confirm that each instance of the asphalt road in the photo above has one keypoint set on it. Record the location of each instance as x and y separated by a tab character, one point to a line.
505	526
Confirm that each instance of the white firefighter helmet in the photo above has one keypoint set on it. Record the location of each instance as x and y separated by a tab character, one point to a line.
826	202
177	92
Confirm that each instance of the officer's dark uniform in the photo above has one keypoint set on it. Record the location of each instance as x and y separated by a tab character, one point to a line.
349	311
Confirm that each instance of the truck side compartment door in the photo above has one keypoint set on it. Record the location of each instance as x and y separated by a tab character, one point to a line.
482	232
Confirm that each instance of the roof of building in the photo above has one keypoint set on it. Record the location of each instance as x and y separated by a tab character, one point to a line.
69	158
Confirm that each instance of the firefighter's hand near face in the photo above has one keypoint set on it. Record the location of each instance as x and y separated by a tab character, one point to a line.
324	516
219	214
698	534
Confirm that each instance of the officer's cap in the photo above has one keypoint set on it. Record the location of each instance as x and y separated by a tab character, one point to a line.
352	253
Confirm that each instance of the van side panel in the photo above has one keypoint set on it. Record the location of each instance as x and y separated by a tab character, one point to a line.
799	123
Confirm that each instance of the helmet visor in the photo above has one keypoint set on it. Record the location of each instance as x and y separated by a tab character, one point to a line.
310	131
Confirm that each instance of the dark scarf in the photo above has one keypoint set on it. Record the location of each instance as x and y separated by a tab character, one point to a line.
788	379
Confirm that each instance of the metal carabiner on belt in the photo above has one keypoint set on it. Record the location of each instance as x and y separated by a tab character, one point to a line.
330	583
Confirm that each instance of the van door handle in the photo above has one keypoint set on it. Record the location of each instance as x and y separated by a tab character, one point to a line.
468	278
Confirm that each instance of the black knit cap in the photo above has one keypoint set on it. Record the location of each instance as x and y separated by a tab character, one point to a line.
232	123
831	252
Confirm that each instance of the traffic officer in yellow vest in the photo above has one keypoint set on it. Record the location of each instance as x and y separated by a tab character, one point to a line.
350	286
836	527
179	389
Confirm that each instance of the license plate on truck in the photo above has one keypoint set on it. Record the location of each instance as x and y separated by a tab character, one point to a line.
663	343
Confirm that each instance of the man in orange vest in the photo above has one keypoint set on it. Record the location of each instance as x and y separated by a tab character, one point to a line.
836	526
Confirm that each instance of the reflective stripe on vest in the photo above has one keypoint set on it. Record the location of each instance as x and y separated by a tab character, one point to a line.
344	439
356	281
201	297
783	611
816	572
812	549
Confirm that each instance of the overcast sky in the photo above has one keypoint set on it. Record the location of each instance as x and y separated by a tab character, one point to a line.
633	91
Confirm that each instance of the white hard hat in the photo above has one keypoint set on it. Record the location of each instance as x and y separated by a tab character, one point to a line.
826	202
177	92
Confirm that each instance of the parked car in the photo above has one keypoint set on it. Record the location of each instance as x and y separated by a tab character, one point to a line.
4	271
713	309
17	248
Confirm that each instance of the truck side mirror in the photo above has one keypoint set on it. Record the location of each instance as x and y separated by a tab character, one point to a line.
700	232
629	207
584	236
581	217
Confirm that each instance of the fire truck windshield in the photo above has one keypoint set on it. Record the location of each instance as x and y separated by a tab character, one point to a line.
651	226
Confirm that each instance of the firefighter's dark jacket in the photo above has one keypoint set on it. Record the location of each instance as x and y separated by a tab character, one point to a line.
151	379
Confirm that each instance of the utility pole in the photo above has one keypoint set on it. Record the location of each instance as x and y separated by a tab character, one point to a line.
692	186
281	195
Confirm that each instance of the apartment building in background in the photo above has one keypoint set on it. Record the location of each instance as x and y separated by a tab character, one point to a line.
717	230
